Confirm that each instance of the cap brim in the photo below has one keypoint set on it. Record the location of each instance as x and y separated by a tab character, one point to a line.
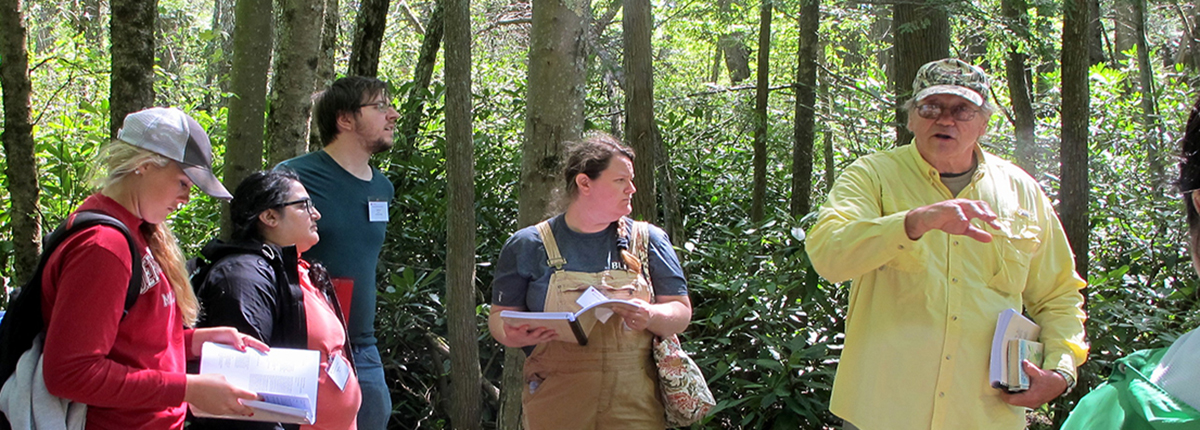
206	181
956	90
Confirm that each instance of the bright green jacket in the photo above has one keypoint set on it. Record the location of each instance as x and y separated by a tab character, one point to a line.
1129	401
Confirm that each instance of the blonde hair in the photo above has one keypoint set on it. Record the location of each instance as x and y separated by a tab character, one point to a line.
117	161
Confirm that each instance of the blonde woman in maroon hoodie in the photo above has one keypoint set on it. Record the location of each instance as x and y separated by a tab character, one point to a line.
130	370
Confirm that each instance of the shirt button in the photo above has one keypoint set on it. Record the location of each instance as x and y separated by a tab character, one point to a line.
947	357
956	243
942	394
955	280
900	247
954	318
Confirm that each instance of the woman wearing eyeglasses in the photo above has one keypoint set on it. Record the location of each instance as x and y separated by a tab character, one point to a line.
258	284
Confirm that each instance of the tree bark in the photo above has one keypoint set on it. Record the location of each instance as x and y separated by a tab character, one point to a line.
219	51
1124	28
368	38
300	24
20	161
414	105
1095	33
759	193
1073	192
460	229
131	30
804	131
554	115
1150	124
928	40
325	63
248	82
639	105
1016	15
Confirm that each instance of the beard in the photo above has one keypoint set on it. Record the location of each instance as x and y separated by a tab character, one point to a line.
380	145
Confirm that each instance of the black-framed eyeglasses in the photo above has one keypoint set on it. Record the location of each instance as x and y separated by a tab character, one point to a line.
305	203
934	111
383	106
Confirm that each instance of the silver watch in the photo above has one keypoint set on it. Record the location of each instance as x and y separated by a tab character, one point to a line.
1070	381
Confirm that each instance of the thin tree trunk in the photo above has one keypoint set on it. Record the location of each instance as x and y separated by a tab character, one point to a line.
460	230
414	105
20	163
928	40
368	38
248	81
296	61
131	30
639	105
217	72
1150	123
1073	192
804	132
557	82
1124	28
325	63
1095	33
1016	14
672	217
759	193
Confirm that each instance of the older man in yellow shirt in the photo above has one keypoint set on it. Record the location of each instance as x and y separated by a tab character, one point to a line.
939	237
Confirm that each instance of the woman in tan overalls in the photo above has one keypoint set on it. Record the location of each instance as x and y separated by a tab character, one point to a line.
610	382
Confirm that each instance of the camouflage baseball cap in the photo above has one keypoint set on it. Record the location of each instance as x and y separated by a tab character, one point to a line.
951	76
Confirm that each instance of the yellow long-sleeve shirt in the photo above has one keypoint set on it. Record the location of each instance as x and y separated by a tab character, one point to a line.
922	313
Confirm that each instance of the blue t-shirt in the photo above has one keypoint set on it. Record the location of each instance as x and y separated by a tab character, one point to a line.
350	242
523	275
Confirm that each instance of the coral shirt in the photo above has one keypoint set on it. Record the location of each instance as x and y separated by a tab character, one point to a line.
337	408
130	372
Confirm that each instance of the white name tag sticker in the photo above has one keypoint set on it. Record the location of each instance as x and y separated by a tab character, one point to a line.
377	211
339	370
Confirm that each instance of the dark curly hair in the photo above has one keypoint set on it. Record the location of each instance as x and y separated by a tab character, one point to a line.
1189	178
258	192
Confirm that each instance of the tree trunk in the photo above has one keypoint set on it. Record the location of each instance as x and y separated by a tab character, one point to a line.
672	217
219	51
368	37
131	30
248	82
881	30
89	22
1016	14
804	133
300	24
1150	124
1125	28
20	163
639	105
759	193
554	115
1095	34
463	331
1073	192
325	63
737	57
922	35
414	105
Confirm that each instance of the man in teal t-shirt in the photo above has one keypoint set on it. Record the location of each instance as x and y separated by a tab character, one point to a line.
355	120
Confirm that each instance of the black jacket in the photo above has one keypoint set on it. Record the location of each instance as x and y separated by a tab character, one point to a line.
255	288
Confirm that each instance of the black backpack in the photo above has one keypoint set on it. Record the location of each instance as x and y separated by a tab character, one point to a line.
23	320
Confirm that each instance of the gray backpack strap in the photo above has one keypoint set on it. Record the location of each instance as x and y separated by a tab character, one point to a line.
554	259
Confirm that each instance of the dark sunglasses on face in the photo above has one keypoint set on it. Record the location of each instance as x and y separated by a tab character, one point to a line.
934	111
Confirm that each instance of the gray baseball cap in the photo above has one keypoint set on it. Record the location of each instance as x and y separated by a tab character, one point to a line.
173	134
951	76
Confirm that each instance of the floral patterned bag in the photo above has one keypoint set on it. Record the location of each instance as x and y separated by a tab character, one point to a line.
684	391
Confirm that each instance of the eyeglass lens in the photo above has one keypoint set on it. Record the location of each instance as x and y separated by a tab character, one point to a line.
960	112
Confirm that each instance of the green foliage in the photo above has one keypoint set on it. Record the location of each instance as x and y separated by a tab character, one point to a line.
766	330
